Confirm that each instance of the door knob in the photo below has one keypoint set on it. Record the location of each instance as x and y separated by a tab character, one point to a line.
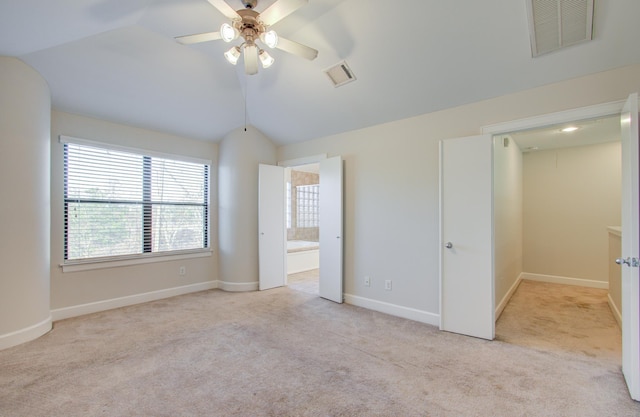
449	245
634	262
621	261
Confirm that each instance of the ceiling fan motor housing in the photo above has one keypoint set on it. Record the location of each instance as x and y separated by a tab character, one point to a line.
249	26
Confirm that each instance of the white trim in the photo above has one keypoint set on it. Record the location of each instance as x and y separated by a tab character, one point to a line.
441	231
25	335
82	309
146	152
303	161
507	297
583	113
393	309
238	286
142	259
554	279
614	309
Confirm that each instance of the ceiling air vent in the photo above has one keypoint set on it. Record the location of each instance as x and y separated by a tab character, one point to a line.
340	74
555	24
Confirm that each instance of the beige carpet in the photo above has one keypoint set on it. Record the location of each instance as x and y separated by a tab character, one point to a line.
554	317
288	353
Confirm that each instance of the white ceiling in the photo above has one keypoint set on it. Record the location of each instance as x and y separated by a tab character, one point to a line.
117	60
589	132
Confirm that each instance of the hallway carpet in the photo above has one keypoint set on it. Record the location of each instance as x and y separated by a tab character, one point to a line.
288	353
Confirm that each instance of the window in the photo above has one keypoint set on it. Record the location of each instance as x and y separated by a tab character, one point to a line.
119	202
307	199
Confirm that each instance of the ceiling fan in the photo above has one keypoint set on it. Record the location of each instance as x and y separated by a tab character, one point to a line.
252	27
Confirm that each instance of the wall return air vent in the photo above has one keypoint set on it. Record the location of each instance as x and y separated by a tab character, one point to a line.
555	24
340	74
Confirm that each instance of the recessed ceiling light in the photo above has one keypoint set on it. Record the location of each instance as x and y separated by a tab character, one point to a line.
570	129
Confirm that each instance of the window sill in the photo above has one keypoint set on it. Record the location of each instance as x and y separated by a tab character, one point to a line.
87	265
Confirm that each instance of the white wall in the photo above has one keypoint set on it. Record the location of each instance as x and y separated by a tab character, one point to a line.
507	191
72	291
25	112
571	196
391	182
240	154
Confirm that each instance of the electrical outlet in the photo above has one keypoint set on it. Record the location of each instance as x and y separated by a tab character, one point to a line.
387	285
182	270
367	281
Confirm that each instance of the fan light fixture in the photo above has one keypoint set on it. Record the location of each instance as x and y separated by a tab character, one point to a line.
228	33
253	28
266	59
271	39
233	55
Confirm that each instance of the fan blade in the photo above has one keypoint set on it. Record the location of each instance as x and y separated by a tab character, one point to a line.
279	10
296	48
198	37
250	59
225	9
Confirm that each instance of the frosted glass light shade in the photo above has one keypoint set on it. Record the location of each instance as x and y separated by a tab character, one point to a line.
266	59
271	39
228	32
233	55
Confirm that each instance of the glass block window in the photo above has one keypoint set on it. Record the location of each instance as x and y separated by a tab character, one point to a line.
308	209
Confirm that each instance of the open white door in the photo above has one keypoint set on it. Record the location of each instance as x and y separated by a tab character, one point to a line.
630	248
466	223
331	229
271	227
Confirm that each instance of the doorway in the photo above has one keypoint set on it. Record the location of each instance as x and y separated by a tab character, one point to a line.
272	218
557	192
303	227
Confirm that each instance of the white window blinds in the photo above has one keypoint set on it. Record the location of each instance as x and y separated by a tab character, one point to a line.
120	203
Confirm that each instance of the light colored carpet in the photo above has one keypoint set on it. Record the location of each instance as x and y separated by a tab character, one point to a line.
287	353
554	317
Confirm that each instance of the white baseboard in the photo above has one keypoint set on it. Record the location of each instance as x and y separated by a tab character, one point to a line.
393	309
238	286
25	335
614	309
507	297
82	309
566	280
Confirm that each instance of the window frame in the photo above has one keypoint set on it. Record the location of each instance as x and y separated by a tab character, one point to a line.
145	256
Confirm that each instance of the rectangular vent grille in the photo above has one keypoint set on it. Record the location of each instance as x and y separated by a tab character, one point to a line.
555	24
340	74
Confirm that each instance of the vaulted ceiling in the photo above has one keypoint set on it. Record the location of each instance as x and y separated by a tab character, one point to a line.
118	60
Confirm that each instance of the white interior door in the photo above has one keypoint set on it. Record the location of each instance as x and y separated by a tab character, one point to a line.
331	229
630	248
271	227
466	211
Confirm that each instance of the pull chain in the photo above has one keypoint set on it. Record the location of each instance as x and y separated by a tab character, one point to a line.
246	95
